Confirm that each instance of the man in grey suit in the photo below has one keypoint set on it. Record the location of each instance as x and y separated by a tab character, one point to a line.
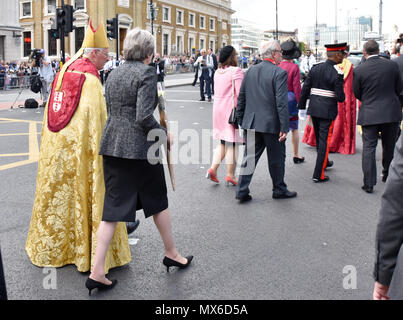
263	112
389	236
378	84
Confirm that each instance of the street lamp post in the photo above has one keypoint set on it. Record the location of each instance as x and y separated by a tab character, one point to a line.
336	35
277	20
316	31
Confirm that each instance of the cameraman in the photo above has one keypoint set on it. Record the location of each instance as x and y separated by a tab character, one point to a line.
159	65
46	73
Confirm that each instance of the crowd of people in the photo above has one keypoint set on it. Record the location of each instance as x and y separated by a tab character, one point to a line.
96	170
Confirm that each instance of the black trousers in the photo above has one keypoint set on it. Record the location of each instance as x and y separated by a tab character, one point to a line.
3	291
276	154
196	76
323	133
205	85
212	82
370	134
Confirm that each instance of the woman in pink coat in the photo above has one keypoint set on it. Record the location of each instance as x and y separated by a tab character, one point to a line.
228	80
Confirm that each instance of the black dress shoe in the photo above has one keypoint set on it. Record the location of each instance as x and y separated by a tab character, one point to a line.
244	199
132	226
326	179
299	160
285	195
329	164
92	284
368	189
172	263
202	100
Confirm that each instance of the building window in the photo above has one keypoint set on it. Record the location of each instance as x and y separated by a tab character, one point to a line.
165	44
2	47
212	45
179	44
179	17
202	22
202	44
191	48
79	37
212	24
52	45
191	20
27	43
80	5
51	7
26	9
166	14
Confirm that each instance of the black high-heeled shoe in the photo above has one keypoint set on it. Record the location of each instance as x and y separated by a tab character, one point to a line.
92	284
172	263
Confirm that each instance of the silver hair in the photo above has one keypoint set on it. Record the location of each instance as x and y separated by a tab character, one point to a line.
87	51
268	48
203	50
138	45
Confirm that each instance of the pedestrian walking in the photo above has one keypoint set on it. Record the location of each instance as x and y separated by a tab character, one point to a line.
228	81
215	61
388	270
324	88
205	66
70	187
291	51
263	112
132	181
344	130
378	85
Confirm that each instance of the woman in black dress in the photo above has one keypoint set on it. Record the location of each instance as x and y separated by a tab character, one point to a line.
134	178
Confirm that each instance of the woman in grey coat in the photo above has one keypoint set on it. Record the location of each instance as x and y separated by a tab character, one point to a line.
134	178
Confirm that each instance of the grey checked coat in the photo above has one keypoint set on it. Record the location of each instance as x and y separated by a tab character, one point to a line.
131	99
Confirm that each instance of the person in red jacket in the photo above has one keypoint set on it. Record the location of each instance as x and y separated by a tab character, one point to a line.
290	52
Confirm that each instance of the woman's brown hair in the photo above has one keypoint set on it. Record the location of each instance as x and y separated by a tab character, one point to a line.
232	61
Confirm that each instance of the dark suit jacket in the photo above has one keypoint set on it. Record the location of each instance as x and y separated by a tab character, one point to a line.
325	77
389	235
263	99
377	83
399	62
161	76
131	99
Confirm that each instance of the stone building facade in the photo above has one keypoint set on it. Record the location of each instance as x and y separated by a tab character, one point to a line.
184	26
10	31
181	26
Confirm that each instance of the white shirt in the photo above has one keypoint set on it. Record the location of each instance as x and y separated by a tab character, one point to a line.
46	72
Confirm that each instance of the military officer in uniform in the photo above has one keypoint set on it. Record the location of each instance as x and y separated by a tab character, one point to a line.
324	88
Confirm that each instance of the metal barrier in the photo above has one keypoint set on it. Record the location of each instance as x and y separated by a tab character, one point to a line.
179	68
10	81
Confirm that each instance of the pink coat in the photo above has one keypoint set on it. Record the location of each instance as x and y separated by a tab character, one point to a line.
223	103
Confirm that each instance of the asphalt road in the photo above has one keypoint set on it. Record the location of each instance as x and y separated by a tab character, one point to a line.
266	249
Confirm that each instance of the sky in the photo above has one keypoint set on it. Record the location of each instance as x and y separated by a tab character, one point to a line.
302	13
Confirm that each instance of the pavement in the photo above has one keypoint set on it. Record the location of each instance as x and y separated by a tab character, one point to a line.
263	250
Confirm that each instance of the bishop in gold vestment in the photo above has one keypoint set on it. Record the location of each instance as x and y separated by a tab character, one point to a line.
70	188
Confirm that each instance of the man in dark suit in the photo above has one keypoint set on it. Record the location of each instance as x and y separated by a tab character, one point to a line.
159	65
3	291
196	69
389	236
378	84
211	54
263	112
325	88
399	62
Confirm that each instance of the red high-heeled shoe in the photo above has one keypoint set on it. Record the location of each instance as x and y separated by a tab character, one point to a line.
229	181
211	176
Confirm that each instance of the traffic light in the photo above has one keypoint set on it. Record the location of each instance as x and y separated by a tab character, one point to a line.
69	19
60	18
112	28
54	33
